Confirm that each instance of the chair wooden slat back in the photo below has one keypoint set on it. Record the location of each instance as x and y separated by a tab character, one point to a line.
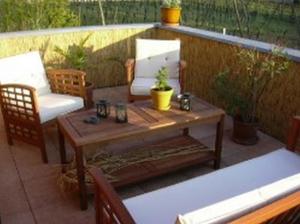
67	81
21	116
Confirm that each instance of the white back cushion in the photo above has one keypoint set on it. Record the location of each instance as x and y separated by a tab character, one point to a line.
26	69
151	55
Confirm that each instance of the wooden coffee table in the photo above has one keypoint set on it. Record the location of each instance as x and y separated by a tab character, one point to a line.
143	121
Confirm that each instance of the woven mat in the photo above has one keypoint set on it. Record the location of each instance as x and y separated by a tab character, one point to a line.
109	163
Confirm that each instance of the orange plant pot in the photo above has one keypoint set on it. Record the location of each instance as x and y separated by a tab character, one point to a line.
170	16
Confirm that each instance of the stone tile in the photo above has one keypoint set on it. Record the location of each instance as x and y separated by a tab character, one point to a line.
13	199
12	196
18	218
203	131
162	181
198	170
44	191
238	157
130	191
30	164
62	213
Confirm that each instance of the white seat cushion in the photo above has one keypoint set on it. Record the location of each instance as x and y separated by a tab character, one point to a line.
223	194
26	69
52	105
151	55
142	86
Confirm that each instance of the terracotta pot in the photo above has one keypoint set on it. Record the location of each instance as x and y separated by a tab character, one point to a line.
244	133
89	87
161	99
170	16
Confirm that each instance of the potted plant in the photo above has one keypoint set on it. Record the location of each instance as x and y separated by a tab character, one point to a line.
76	58
161	94
170	12
242	93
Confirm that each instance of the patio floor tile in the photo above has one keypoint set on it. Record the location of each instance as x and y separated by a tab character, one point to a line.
18	218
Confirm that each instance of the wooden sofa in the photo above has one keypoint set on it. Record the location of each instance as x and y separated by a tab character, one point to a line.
262	190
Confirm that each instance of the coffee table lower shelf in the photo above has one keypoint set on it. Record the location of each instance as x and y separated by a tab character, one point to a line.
156	159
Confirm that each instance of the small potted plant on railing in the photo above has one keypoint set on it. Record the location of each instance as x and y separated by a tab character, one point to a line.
161	94
242	93
170	12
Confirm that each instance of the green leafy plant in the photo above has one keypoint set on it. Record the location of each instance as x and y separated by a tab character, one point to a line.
161	83
171	3
241	93
75	55
35	14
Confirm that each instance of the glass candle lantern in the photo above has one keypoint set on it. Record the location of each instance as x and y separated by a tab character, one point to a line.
121	113
185	102
103	108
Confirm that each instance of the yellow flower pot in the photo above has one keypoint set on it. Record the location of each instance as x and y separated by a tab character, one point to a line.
161	99
170	16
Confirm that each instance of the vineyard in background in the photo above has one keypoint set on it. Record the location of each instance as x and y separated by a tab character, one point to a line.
256	19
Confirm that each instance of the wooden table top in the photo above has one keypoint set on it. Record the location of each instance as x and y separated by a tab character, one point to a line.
142	120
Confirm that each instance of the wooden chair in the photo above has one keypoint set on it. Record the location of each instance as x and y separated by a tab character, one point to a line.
110	208
151	55
30	98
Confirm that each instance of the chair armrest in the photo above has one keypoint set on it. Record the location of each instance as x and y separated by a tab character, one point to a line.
129	65
283	210
107	199
67	81
19	104
182	66
294	134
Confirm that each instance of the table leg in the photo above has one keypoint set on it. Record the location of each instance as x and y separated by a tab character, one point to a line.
218	142
62	149
81	178
186	131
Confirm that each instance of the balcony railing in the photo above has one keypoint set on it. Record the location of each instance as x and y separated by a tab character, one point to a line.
207	53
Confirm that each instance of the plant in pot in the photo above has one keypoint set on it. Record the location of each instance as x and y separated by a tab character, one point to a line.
76	57
170	12
161	94
242	93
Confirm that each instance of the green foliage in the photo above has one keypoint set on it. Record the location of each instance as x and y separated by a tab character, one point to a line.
35	14
228	89
75	55
171	3
161	76
241	93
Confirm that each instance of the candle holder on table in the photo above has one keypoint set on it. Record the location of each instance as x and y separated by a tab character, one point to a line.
121	113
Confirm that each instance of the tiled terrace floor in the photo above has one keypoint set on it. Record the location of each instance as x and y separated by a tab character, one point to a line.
29	192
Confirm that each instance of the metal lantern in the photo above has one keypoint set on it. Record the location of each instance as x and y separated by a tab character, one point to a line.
103	108
121	113
185	102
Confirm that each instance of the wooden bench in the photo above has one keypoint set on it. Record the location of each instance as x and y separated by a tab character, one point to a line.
275	208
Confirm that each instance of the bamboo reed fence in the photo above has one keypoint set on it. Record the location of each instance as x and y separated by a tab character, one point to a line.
109	48
107	51
206	58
